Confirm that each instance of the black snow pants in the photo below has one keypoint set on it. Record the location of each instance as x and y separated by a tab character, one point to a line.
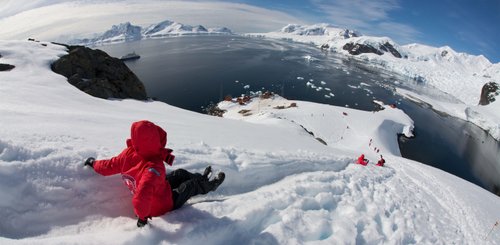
186	185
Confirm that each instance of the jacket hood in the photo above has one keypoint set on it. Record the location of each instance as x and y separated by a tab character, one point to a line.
148	140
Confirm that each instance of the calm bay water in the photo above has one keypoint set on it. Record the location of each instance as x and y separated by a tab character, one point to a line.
192	72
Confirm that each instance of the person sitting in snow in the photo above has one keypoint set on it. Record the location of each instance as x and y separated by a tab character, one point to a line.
381	161
361	160
143	171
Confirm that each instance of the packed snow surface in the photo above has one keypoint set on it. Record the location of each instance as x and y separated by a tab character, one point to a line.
459	75
283	185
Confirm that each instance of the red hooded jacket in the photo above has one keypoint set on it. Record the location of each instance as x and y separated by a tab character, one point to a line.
361	160
142	169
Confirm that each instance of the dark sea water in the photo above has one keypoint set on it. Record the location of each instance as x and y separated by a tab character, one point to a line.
192	72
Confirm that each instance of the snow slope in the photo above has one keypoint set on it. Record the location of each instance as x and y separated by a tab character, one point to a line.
458	74
126	32
282	185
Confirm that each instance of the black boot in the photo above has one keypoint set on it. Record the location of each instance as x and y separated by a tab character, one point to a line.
207	172
195	186
217	180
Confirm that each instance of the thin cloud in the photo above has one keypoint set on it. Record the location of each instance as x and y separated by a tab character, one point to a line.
13	7
357	11
86	17
370	17
404	34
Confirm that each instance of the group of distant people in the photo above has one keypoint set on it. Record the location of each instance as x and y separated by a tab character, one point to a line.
363	161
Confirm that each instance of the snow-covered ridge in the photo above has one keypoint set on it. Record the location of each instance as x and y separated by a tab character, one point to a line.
458	74
127	32
348	131
320	30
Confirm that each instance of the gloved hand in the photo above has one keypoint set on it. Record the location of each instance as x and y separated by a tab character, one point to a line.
142	222
89	162
170	158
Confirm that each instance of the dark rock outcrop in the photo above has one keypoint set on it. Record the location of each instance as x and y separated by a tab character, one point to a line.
349	33
98	74
356	49
387	47
6	67
489	92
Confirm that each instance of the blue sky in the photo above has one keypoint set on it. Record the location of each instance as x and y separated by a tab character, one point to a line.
471	26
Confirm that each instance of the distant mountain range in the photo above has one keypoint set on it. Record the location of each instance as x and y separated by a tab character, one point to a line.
333	38
125	32
440	66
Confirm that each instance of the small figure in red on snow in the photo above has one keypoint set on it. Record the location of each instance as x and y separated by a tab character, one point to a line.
381	161
361	160
154	191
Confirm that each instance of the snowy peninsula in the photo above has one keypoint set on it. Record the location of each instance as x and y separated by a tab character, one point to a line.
459	75
283	185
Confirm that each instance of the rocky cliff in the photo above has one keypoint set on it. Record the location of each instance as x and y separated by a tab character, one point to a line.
98	74
489	92
5	67
358	48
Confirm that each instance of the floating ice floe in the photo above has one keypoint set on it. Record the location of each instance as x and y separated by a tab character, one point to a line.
308	58
352	86
300	78
328	89
327	96
323	82
309	84
246	86
368	90
331	94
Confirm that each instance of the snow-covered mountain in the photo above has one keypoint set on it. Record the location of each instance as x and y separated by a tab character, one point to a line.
123	31
127	32
460	75
283	186
323	29
167	28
